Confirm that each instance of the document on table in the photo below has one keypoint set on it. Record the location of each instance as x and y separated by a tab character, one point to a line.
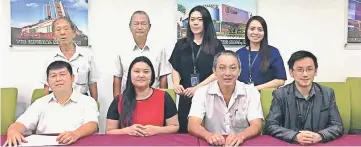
40	140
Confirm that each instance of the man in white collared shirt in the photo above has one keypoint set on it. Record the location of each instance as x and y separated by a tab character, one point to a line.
226	106
81	59
139	26
64	111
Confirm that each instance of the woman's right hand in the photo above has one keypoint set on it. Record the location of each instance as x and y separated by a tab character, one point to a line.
135	130
178	89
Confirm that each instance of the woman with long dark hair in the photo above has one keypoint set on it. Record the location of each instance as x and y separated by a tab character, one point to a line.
262	64
142	110
192	59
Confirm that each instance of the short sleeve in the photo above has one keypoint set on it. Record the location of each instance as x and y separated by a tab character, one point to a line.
198	107
118	67
254	106
94	73
164	67
91	111
278	66
175	58
113	112
170	108
30	117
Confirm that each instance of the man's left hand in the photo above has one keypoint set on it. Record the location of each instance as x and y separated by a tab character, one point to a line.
234	140
67	137
316	137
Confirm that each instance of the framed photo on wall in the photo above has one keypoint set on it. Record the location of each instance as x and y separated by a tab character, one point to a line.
229	18
31	20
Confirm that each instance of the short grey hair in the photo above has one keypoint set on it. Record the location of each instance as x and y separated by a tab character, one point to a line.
66	18
226	52
139	12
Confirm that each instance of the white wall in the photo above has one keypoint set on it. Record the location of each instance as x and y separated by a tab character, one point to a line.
314	25
108	29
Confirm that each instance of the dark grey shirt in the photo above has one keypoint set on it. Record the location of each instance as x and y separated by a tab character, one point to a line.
304	105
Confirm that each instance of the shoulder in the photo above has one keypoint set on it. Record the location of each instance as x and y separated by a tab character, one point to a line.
273	50
325	90
282	92
85	51
182	41
241	50
42	101
87	100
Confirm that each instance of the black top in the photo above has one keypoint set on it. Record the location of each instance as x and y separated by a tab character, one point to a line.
182	61
170	108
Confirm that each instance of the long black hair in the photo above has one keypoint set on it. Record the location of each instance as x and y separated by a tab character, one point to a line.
209	42
264	50
128	99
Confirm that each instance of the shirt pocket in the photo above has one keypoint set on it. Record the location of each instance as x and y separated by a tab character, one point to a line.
81	75
239	121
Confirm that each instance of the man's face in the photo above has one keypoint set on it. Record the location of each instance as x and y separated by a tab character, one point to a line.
63	32
139	25
60	79
227	70
304	72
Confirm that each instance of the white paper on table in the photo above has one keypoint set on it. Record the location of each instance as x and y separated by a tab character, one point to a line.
40	140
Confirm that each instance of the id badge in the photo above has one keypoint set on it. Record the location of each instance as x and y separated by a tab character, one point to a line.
194	79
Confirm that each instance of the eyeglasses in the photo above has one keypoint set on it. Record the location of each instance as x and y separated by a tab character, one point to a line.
301	71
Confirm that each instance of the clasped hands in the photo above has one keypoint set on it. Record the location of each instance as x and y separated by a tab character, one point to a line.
308	137
141	131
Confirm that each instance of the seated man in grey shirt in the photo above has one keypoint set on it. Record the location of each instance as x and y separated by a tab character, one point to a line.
304	112
65	111
226	106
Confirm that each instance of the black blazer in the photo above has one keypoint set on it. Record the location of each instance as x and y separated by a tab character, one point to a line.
281	121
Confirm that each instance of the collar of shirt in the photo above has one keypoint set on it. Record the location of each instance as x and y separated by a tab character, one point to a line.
73	97
239	89
146	47
78	52
299	95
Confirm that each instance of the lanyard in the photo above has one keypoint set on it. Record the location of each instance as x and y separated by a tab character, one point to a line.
195	58
251	65
303	118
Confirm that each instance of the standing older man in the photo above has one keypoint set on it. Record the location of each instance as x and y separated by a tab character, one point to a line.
81	59
139	26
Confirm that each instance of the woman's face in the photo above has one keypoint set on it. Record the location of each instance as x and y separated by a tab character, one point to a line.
196	22
255	32
141	75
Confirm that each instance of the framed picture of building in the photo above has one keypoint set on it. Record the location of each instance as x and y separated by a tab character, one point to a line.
31	20
229	18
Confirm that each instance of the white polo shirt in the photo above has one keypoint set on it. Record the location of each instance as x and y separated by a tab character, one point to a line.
83	65
46	115
156	55
209	105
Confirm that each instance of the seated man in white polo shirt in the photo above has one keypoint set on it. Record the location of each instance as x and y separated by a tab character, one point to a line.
64	111
226	106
